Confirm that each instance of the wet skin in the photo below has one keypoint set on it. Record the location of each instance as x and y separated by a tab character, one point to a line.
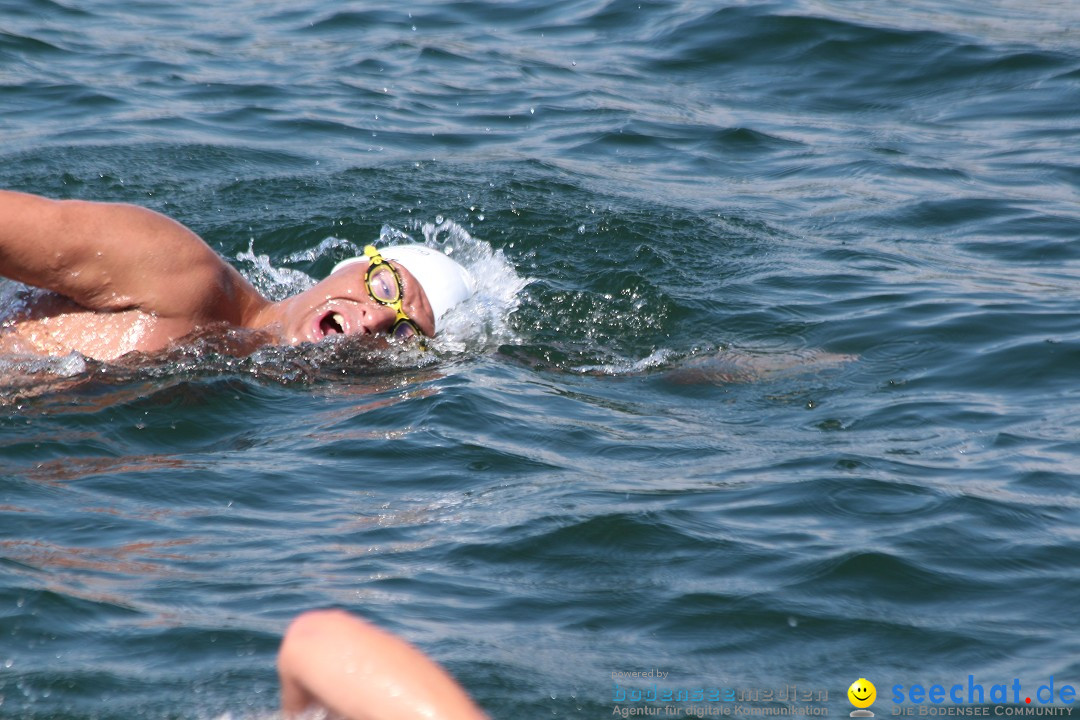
122	278
341	305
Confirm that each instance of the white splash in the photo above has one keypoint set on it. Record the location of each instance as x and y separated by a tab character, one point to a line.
629	367
275	283
482	321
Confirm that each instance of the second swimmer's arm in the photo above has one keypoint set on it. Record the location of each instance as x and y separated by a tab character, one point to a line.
333	660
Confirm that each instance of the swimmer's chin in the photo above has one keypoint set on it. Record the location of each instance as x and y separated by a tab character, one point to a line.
329	326
230	340
358	343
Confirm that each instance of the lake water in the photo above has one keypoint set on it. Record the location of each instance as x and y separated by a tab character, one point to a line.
770	380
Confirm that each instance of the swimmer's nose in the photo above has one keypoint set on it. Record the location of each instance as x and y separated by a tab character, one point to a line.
378	319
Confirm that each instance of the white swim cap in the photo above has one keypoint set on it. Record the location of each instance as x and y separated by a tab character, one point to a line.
446	283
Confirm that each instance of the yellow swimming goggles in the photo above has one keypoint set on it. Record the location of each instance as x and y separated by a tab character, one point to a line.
384	286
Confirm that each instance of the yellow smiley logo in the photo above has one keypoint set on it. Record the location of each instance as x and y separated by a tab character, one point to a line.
862	693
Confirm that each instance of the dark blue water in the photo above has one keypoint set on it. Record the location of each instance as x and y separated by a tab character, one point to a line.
770	381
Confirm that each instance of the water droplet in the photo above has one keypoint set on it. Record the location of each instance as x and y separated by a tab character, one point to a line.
581	229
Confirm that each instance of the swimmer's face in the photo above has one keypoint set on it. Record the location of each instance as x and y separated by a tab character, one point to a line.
341	305
862	693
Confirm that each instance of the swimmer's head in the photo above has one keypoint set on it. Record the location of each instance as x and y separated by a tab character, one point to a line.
445	282
425	284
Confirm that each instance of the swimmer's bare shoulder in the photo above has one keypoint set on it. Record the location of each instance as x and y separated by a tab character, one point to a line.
116	265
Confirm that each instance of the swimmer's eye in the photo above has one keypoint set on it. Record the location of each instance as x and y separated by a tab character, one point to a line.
383	286
403	330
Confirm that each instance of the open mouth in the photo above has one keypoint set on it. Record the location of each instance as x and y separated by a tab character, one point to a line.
332	323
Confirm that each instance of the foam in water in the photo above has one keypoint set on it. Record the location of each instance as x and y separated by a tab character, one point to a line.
482	321
626	366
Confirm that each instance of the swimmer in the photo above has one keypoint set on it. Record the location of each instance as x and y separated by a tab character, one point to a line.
333	661
122	278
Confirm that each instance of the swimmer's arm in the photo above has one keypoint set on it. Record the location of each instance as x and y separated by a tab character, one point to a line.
112	257
330	659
